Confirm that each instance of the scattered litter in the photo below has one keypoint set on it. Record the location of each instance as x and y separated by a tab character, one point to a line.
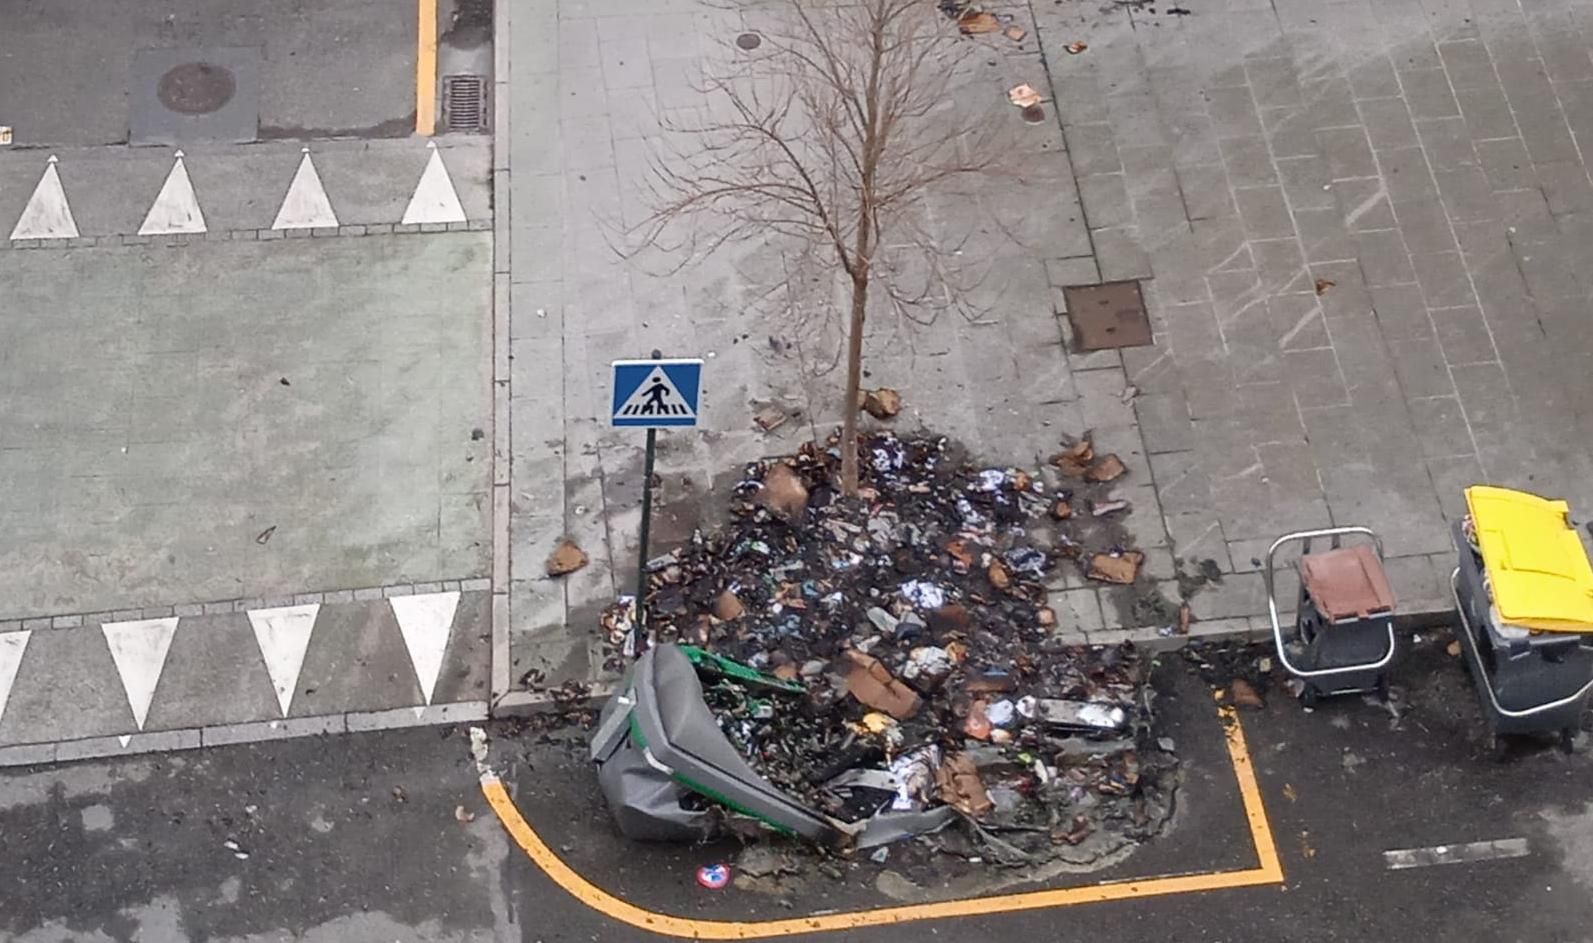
463	816
770	418
236	849
1110	506
895	654
1323	284
727	607
1185	617
1108	468
915	777
926	596
961	788
1024	96
883	403
1015	33
714	877
1121	567
566	558
1289	793
1075	460
873	684
977	22
284	381
1074	48
1453	648
265	535
783	492
1243	694
478	748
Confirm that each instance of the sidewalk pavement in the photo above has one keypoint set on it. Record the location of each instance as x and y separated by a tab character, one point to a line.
1425	162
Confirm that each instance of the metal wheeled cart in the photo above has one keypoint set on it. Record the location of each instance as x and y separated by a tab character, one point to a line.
1343	637
1524	591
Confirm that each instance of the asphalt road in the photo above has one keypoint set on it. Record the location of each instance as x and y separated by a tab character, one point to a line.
360	838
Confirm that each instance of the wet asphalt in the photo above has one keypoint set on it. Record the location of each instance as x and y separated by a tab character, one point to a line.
386	837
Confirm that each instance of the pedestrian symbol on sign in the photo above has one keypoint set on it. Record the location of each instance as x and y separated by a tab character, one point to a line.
656	397
656	393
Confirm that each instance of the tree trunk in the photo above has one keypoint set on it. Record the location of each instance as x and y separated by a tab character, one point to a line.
854	383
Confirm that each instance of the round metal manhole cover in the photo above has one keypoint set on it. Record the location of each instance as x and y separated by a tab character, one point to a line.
1034	114
749	41
196	88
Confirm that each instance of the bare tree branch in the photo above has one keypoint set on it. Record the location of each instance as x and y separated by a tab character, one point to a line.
829	143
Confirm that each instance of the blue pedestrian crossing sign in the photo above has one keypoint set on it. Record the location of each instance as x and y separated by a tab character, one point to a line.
656	394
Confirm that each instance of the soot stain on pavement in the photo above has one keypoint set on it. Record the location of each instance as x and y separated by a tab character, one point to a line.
190	849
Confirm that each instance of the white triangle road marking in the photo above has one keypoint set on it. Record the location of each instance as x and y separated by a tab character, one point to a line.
176	210
12	645
47	215
655	396
426	620
434	199
139	651
124	738
283	635
419	711
306	205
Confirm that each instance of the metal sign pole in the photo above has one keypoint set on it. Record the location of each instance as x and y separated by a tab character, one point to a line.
647	526
652	394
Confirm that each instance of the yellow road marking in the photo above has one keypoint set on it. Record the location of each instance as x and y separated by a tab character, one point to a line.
426	69
1268	871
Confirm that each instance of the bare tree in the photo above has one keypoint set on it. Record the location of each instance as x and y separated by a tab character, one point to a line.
833	135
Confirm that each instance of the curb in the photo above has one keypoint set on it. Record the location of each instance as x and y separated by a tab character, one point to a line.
193	738
244	235
498	685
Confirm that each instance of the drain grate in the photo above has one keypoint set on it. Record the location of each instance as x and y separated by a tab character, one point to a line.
465	103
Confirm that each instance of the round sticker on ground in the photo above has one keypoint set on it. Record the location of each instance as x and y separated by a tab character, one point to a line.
713	876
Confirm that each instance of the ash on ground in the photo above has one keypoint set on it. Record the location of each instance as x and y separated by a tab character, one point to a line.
925	667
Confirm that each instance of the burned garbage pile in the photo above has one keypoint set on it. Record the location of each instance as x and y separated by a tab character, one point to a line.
891	658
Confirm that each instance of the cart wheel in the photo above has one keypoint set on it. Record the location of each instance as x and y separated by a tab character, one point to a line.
1498	748
1309	697
1568	740
1382	689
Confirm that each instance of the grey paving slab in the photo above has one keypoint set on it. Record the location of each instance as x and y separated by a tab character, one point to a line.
66	688
324	68
356	662
214	674
153	436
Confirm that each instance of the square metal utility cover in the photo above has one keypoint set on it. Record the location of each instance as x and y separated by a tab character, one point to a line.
185	96
1107	316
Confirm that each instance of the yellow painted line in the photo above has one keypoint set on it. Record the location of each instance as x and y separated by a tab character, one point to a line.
1268	871
426	69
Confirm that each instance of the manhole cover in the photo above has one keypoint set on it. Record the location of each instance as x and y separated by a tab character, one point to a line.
749	41
1107	316
196	88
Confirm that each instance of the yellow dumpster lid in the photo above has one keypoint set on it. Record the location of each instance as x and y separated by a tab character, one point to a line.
1540	573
